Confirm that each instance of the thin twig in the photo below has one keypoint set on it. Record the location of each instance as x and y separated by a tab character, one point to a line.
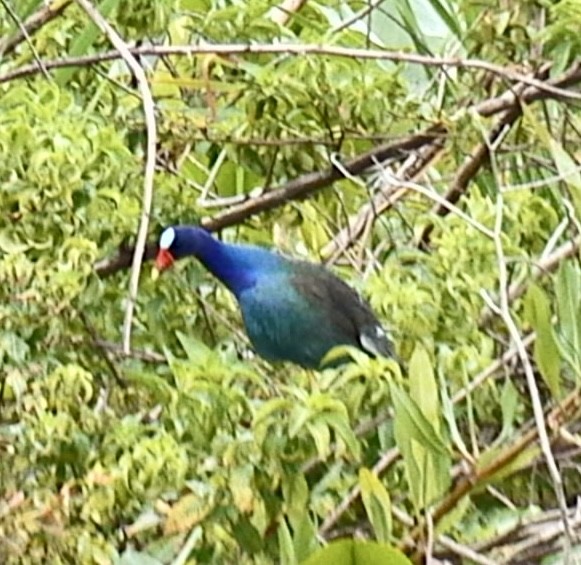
491	370
141	355
385	199
472	165
103	350
149	111
464	551
544	182
310	49
541	267
25	35
211	178
32	24
429	548
282	13
358	16
300	187
504	312
441	201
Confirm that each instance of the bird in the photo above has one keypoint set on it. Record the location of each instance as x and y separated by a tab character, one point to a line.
293	310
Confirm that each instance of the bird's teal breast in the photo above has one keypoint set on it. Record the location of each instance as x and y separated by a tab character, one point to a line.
282	326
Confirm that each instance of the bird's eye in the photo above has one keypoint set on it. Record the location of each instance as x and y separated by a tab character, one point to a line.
167	238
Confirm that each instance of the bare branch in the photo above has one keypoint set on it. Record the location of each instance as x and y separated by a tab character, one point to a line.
358	16
382	201
295	189
32	24
471	167
464	551
24	34
509	74
282	13
543	266
149	111
504	311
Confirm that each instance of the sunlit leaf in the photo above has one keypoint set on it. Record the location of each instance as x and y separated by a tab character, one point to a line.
84	41
377	504
423	386
568	293
413	423
286	548
133	557
350	552
546	352
509	405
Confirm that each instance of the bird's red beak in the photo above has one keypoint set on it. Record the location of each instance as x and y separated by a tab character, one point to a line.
164	260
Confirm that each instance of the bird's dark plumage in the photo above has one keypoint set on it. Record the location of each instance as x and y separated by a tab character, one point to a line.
293	310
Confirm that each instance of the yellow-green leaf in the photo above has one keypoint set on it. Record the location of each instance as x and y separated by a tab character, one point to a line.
377	504
423	386
352	552
546	351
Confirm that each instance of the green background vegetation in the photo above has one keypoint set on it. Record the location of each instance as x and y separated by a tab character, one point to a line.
208	454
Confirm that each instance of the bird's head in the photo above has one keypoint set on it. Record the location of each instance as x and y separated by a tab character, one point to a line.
176	242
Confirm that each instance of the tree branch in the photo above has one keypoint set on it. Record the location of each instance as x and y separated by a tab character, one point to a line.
504	312
282	13
295	189
149	111
32	24
470	168
547	87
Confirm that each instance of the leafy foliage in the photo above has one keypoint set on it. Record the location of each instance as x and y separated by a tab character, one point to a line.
193	450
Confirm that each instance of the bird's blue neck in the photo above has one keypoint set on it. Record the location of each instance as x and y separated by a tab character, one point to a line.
237	266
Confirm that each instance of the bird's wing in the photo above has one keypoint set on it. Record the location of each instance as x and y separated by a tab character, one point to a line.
342	307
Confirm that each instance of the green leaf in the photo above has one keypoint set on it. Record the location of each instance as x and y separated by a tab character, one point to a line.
83	42
132	557
413	423
340	424
296	496
351	552
242	487
14	347
285	545
305	535
271	408
546	351
450	521
569	172
447	14
10	245
449	415
377	504
423	386
509	405
298	418
247	536
193	348
426	457
321	435
568	293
